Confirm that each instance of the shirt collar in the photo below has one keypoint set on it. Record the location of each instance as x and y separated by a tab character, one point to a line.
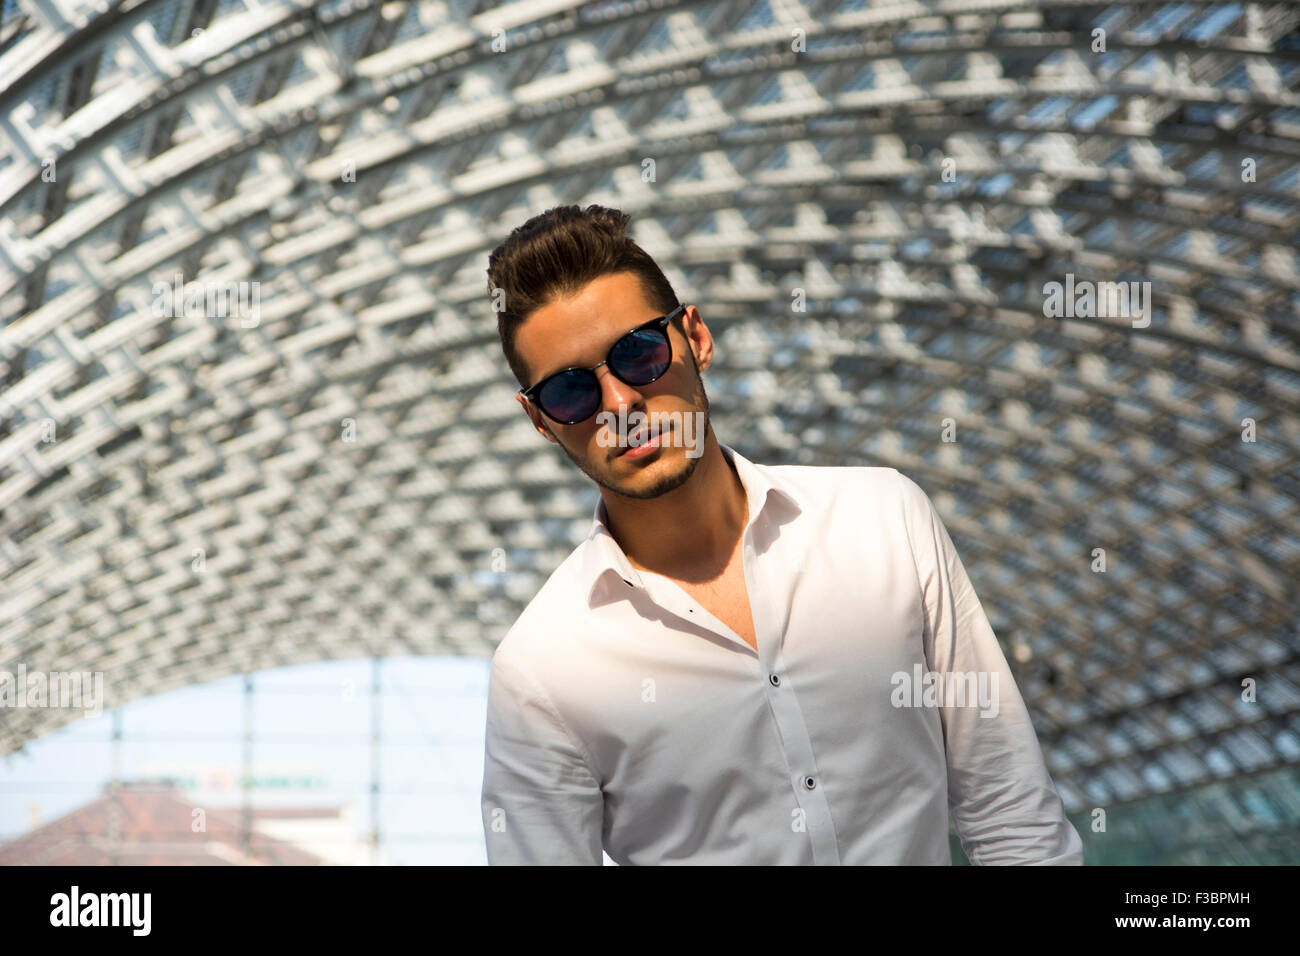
603	556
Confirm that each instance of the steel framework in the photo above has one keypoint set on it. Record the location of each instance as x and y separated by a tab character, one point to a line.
866	202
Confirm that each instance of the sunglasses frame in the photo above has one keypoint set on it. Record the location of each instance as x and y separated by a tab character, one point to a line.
661	323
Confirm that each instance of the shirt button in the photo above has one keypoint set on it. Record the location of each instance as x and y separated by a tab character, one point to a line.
809	783
776	681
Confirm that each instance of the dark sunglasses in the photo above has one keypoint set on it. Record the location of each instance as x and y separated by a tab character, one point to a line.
638	358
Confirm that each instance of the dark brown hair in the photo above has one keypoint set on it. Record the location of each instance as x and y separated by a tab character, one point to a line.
554	255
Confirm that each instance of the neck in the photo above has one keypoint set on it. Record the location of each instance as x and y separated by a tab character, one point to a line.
690	530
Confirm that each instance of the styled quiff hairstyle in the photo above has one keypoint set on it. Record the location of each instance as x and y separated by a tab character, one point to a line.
554	255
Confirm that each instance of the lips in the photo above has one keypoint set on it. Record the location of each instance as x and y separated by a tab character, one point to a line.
641	436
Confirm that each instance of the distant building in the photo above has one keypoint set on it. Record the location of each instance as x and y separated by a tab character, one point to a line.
157	824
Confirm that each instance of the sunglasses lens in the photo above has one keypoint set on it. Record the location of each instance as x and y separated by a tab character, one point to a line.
642	356
571	396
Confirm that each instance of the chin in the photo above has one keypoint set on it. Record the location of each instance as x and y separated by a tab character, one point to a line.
666	472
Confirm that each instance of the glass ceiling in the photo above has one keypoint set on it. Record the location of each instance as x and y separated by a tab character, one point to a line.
182	496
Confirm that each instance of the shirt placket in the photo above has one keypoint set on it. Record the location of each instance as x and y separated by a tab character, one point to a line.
793	737
792	731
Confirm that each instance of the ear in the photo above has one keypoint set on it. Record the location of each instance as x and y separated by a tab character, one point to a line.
536	418
698	337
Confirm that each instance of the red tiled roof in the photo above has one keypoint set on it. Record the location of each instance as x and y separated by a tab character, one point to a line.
155	827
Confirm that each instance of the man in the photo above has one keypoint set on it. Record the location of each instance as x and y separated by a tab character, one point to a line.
741	664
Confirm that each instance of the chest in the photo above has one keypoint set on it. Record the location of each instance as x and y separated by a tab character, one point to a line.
726	598
697	746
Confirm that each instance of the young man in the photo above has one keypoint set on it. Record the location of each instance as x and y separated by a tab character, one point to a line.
742	663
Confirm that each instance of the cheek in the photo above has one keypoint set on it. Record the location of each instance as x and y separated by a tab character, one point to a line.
687	382
586	443
678	380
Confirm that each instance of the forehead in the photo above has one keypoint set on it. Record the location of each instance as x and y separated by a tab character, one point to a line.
580	329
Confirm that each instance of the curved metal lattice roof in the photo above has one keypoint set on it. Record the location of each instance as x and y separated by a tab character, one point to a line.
866	202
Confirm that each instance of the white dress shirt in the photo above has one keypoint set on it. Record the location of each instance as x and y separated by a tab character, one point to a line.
624	716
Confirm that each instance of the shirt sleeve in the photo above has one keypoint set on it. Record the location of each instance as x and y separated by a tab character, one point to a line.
1002	799
541	804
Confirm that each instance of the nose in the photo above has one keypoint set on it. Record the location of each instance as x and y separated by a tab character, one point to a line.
614	392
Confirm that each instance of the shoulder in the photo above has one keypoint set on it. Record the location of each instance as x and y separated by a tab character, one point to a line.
879	497
880	487
549	617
